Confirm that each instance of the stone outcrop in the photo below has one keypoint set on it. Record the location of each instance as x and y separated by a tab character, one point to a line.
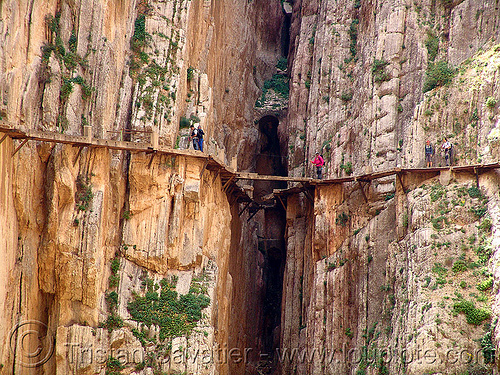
387	296
405	268
357	95
123	71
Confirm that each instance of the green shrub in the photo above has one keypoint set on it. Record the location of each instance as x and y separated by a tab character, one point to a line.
190	73
439	270
184	123
439	222
113	281
475	192
485	225
347	95
473	315
111	299
144	57
459	266
353	34
342	219
279	84
381	77
432	44
113	322
491	102
484	253
86	89
47	50
389	196
72	41
479	212
438	74
84	194
115	265
282	63
488	347
349	333
71	60
448	3
195	119
53	22
378	70
485	284
437	191
60	46
378	65
66	89
161	306
347	167
113	366
140	37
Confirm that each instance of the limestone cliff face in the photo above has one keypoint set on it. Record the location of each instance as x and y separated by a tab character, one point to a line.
370	287
386	296
97	242
123	70
370	114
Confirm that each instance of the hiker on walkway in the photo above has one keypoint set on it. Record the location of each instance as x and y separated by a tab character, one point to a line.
429	153
319	162
201	133
447	147
194	137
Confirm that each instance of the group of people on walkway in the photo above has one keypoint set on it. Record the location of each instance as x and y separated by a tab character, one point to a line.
196	136
446	147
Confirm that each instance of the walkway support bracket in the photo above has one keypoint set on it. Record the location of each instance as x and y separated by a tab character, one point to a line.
205	164
77	155
20	146
151	160
401	182
3	138
255	213
362	188
281	201
244	208
228	182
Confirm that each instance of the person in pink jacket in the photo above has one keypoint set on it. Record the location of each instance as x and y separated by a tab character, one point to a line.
319	162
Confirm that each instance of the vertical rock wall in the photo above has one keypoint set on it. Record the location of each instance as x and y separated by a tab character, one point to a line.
135	66
358	73
375	286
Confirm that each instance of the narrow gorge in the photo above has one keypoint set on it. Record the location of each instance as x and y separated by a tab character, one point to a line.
125	251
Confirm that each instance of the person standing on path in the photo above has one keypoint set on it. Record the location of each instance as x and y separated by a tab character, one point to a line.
194	137
446	147
318	161
200	134
429	153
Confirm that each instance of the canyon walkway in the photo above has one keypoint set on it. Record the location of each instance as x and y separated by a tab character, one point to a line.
228	175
